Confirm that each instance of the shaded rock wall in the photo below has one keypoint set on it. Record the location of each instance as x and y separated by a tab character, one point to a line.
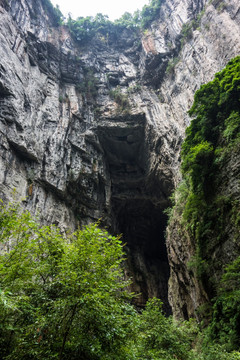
194	283
73	154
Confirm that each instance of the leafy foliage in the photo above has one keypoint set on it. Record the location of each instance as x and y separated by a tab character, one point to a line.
215	125
86	28
121	99
203	213
64	297
164	338
196	164
189	27
54	11
213	104
61	297
171	65
149	13
232	127
226	311
88	86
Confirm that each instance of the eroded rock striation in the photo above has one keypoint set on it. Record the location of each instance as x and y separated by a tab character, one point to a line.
94	131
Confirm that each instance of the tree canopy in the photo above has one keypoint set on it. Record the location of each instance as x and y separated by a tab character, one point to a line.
85	28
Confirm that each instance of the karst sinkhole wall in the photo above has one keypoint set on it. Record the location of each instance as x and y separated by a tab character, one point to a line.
136	210
73	164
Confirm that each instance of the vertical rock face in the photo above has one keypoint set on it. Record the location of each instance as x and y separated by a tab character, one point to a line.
94	131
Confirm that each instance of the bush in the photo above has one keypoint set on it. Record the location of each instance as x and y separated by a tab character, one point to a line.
232	126
121	99
225	326
164	338
53	11
88	86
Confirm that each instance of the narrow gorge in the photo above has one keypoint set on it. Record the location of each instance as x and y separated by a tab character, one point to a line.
93	130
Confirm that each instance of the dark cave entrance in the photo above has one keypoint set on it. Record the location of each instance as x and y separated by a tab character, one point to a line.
137	206
143	225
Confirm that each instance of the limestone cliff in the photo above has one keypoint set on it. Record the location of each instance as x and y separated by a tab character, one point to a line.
204	221
94	131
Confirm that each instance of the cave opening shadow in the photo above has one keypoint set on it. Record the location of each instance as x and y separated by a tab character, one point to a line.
138	197
143	226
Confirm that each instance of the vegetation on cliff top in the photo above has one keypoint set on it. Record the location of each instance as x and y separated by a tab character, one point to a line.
54	11
85	28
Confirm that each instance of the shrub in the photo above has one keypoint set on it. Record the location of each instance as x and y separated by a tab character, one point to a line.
121	99
164	338
53	11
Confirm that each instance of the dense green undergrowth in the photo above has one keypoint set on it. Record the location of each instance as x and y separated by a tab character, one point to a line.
207	201
65	297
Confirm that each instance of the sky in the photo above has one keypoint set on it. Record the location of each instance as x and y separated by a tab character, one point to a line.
91	7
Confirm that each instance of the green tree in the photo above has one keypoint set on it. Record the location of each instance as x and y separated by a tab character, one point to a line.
61	297
53	11
164	338
84	29
225	326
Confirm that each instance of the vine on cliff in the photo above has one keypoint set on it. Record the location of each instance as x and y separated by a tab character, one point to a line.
207	215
